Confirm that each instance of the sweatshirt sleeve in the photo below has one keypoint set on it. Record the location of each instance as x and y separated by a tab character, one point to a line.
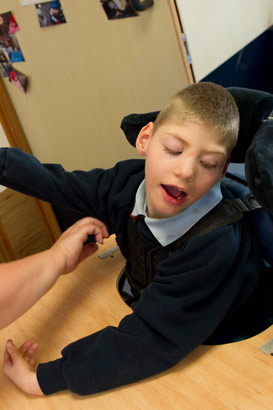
92	193
189	297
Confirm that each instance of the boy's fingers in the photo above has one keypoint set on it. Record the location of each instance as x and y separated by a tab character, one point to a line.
31	353
25	346
7	359
11	350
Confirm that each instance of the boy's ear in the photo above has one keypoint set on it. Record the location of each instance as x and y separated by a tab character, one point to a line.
143	138
226	167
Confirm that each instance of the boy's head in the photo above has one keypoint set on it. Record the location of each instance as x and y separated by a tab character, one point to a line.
206	104
188	147
56	7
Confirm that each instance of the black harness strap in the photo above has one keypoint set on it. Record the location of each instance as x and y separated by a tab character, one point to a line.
142	263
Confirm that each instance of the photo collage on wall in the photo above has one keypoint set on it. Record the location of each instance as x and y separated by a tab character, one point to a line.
10	51
49	13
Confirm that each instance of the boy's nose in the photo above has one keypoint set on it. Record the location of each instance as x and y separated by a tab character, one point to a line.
186	169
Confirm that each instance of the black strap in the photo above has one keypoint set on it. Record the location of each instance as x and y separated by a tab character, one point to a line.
227	212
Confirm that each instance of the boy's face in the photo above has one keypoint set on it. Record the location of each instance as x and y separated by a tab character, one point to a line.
55	11
183	162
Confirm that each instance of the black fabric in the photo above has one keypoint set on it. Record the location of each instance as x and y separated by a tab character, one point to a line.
132	124
258	166
255	142
254	317
254	107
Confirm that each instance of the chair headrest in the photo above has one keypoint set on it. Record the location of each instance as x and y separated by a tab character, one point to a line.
132	124
254	107
259	165
255	140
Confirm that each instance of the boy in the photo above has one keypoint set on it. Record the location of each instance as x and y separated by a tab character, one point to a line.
183	286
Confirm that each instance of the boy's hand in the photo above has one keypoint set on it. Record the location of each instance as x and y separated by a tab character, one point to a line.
19	366
69	250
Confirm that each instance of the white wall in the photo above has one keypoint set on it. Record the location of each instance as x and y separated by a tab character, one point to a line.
217	29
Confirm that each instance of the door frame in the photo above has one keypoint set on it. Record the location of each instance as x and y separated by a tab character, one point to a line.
16	138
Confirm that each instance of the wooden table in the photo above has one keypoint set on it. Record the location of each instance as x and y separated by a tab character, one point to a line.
231	376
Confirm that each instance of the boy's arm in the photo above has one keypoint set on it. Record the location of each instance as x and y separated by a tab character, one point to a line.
103	194
78	191
24	281
174	315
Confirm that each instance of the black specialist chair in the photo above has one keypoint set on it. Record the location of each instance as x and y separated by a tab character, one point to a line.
255	150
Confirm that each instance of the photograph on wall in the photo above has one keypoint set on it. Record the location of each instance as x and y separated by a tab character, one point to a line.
10	44
8	23
5	64
18	79
116	9
16	55
50	13
13	26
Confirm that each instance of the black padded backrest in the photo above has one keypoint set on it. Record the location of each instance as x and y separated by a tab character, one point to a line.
132	124
255	142
259	165
254	107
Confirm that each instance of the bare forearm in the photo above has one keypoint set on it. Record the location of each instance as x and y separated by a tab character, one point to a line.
24	281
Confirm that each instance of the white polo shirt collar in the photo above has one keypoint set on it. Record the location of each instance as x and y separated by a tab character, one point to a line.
167	230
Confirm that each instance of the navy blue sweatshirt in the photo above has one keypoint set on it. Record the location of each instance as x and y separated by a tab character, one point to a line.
193	290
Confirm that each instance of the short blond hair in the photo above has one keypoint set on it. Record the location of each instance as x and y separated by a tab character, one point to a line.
204	103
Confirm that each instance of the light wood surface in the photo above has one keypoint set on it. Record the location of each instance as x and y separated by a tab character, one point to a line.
232	376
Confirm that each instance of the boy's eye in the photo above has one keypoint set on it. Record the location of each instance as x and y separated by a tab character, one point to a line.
208	165
171	151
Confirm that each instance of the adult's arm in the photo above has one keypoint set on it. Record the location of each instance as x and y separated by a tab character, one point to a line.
24	281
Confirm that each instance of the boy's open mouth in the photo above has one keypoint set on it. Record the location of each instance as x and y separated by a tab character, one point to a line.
174	192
